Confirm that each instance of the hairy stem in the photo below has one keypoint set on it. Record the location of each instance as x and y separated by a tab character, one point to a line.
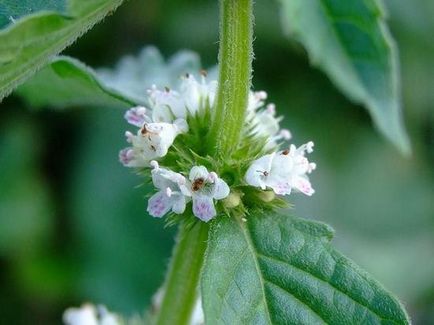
182	282
235	68
235	61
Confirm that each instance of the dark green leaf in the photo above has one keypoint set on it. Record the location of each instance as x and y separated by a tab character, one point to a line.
11	10
283	270
28	44
350	41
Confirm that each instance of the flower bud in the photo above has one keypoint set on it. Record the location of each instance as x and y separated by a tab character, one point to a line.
266	196
233	200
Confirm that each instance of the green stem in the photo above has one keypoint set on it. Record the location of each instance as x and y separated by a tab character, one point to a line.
182	282
235	60
235	68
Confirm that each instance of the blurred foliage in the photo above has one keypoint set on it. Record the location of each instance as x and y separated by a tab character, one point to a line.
66	82
11	10
350	41
27	43
73	223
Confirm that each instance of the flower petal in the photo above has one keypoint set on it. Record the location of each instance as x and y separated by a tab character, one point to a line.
161	178
137	116
303	185
221	189
168	98
203	207
160	137
191	92
281	187
159	204
126	156
133	157
256	174
162	114
198	172
179	203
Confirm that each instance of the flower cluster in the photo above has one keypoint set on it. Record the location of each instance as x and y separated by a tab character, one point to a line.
173	113
283	171
164	121
175	191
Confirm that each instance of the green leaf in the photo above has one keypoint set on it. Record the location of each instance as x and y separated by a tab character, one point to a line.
283	270
11	10
350	41
67	82
31	41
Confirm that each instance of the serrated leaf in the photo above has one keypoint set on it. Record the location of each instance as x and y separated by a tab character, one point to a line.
66	82
283	270
11	10
350	41
28	44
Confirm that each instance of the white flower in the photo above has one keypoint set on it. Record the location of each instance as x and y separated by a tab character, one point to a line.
283	171
89	315
198	94
264	120
151	141
168	105
137	116
169	197
204	188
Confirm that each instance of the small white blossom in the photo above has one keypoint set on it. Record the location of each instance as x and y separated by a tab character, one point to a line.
170	197
89	315
137	116
151	141
283	171
205	187
264	120
168	105
198	94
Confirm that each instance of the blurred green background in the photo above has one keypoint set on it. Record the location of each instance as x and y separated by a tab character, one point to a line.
73	226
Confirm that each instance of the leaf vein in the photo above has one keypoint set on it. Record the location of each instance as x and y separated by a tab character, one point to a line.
297	298
322	280
258	270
